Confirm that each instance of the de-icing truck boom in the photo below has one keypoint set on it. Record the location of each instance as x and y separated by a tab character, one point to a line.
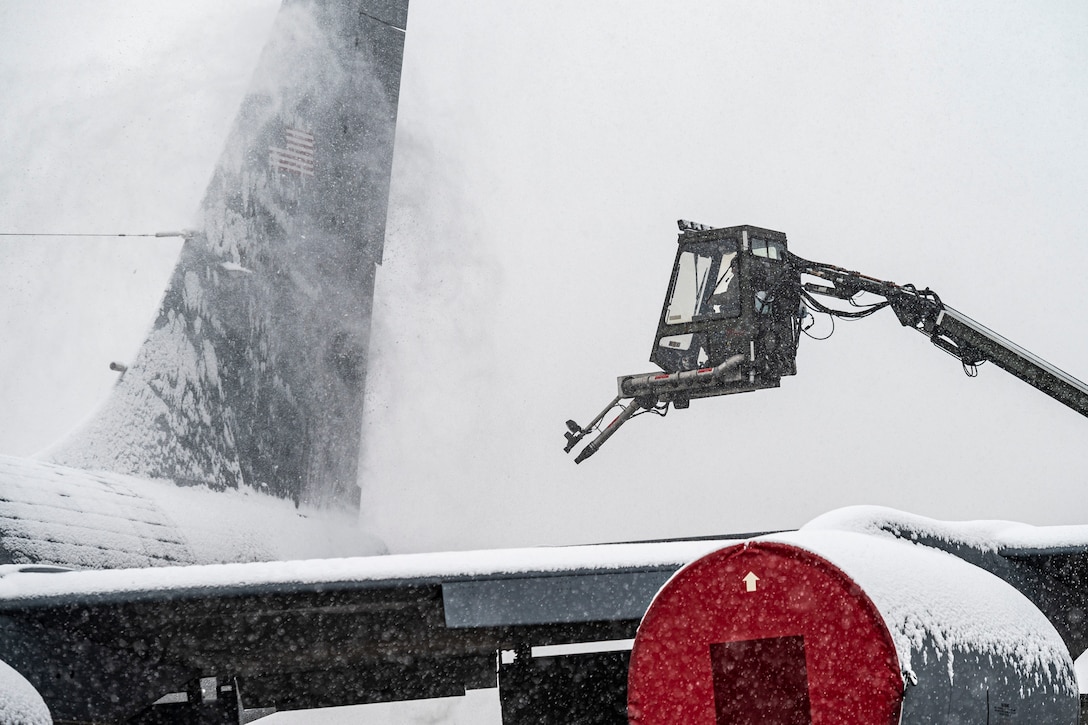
736	306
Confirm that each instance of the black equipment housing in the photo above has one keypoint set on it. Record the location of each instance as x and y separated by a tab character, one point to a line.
751	309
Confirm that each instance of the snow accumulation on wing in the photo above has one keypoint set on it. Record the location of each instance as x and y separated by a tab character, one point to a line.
929	589
53	514
20	703
20	588
936	604
983	536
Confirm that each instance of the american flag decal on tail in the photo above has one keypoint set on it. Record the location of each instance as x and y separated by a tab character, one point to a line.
299	154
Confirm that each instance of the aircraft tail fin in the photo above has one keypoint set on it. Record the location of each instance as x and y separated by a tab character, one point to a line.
254	370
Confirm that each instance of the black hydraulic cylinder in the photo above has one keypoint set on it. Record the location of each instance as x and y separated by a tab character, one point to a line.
597	442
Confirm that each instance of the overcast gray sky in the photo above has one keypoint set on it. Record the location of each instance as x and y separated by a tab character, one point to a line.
544	153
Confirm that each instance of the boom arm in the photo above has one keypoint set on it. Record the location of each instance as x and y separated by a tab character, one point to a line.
952	331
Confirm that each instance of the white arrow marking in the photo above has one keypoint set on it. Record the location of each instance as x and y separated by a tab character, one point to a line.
750	580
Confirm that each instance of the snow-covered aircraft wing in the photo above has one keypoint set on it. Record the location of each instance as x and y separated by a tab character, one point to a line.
105	645
892	618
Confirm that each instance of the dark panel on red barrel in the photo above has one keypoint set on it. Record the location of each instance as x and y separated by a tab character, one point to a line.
757	681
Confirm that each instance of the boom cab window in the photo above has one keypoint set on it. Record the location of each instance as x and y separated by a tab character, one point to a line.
769	249
707	284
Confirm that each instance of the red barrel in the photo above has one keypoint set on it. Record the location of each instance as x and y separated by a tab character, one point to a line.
763	633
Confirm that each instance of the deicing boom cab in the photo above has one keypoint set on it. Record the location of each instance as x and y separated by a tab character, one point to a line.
734	312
